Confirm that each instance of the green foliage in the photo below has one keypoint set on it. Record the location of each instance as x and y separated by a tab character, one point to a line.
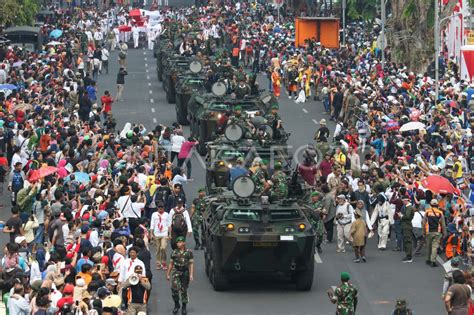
18	12
362	9
409	10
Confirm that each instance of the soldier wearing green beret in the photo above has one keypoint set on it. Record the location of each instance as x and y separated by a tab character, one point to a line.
316	218
197	209
345	296
180	272
279	183
259	176
274	120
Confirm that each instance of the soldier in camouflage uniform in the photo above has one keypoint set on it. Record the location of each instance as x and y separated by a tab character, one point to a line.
279	183
259	177
240	119
345	296
181	272
316	218
196	217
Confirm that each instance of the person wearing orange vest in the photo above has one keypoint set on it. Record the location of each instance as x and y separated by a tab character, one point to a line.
453	243
434	228
137	293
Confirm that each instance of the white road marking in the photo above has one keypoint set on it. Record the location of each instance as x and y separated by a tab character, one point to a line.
146	70
152	110
148	77
315	121
150	91
151	100
146	65
154	120
149	83
145	58
317	259
305	110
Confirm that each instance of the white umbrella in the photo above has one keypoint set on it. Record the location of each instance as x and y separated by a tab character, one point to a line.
414	125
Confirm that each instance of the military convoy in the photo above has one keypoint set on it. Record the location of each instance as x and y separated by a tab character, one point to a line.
251	235
246	230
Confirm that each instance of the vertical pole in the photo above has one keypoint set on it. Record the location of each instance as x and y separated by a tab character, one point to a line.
344	22
436	43
383	17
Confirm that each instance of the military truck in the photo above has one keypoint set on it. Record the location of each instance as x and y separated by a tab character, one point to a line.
172	67
223	153
246	235
163	50
206	110
188	83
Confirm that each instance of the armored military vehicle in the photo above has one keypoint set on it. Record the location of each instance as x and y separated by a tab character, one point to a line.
206	110
223	153
163	51
246	235
188	83
172	67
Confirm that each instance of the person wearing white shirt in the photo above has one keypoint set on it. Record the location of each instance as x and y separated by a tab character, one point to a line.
17	304
344	219
127	268
136	36
177	141
159	232
417	223
179	178
150	36
172	231
132	208
382	215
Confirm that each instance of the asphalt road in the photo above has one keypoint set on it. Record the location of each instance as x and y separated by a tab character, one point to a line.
381	281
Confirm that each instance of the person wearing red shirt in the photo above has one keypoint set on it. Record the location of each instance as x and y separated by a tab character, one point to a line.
107	101
67	296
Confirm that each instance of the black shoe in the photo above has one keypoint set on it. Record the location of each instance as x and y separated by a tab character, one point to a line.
320	250
397	249
433	264
428	262
183	310
364	259
176	308
407	259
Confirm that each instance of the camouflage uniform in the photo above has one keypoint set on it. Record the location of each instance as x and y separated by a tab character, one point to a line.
180	274
259	178
280	185
317	222
346	295
196	219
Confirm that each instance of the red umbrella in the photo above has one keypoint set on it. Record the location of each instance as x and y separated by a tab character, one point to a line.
439	185
135	13
42	172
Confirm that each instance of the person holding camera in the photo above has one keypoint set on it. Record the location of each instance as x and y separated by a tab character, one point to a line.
138	288
344	296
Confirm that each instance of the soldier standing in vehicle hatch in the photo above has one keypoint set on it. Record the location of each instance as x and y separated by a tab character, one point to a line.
316	218
279	183
196	217
180	272
259	176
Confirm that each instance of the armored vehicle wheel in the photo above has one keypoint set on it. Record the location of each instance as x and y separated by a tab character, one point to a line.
202	149
218	278
182	120
304	279
169	97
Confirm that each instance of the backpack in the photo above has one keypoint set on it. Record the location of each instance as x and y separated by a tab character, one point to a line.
17	181
122	55
178	222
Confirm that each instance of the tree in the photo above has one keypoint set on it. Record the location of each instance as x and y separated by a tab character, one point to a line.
18	12
410	31
362	9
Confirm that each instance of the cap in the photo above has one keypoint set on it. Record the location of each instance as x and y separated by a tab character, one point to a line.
341	196
238	107
240	159
315	193
277	166
275	106
345	276
180	239
68	289
322	122
434	202
84	229
202	189
180	200
110	282
19	239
